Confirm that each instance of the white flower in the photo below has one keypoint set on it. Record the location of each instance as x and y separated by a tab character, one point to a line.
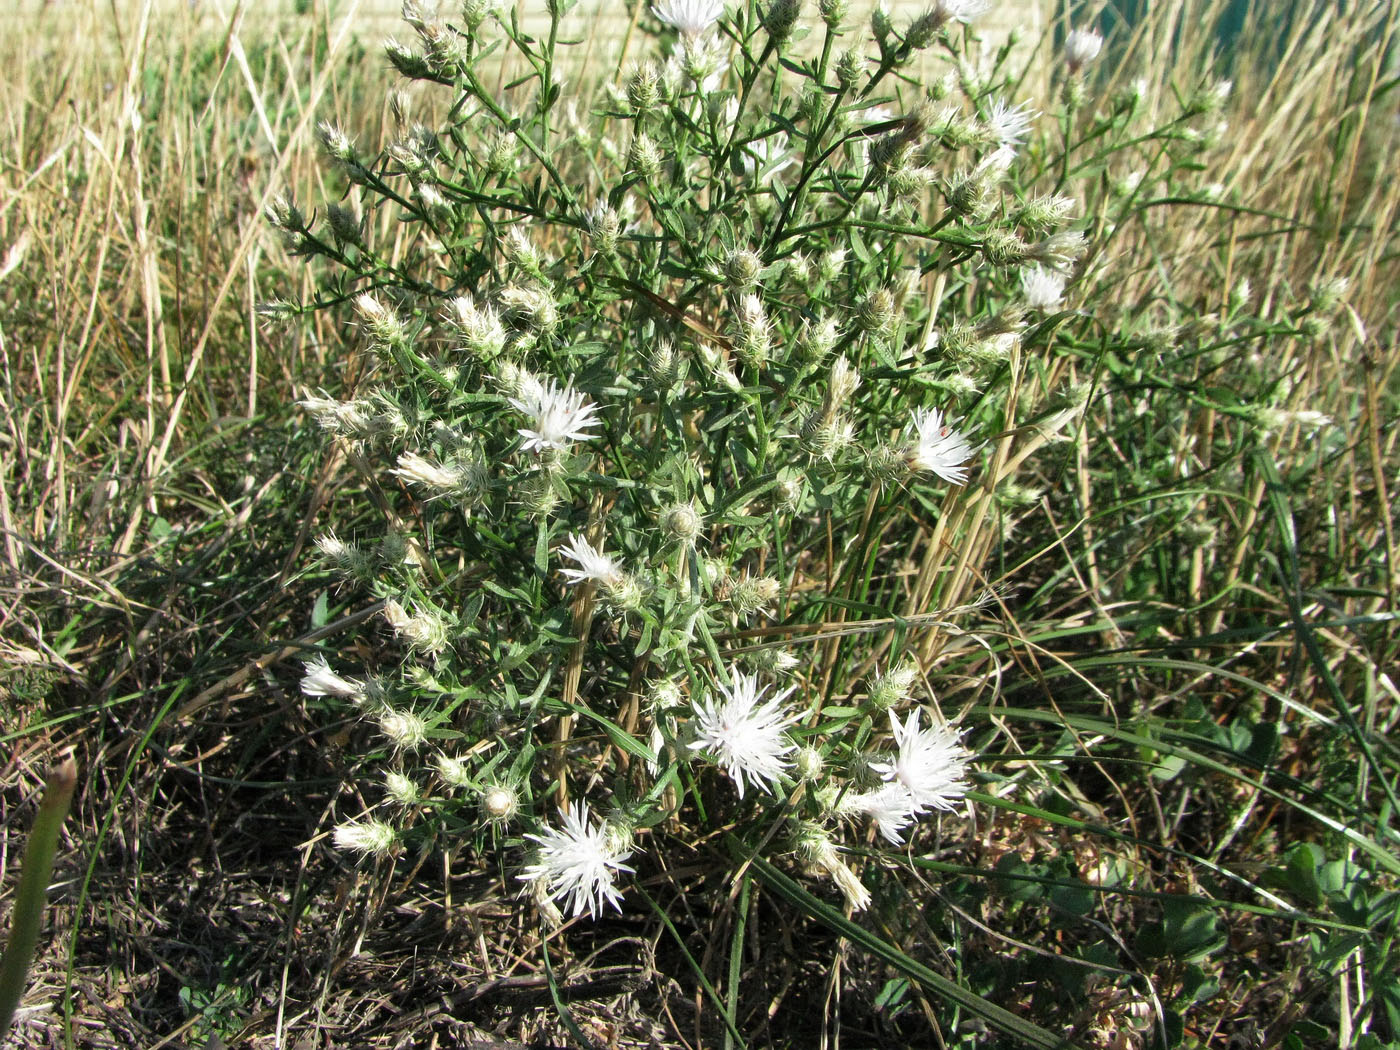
768	156
958	10
423	471
593	564
560	417
1042	288
891	806
320	680
995	164
689	17
931	764
1082	46
745	733
364	836
424	630
938	448
480	326
579	862
1009	125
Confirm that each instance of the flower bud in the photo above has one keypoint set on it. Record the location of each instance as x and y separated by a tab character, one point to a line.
893	687
482	333
345	557
880	24
644	89
788	494
453	771
474	12
1082	46
500	803
405	730
1003	248
401	789
604	227
1046	212
384	324
850	67
833	12
779	19
876	312
523	254
424	631
344	223
682	523
749	594
741	269
829	266
808	764
501	152
817	340
283	213
666	695
663	366
643	156
754	332
533	307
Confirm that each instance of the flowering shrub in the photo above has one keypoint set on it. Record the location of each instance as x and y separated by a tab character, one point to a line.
661	391
692	411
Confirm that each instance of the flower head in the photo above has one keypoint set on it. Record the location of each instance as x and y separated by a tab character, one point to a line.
320	680
579	862
1042	288
745	733
931	764
364	836
1082	46
593	564
558	417
1008	125
959	10
938	448
690	18
891	806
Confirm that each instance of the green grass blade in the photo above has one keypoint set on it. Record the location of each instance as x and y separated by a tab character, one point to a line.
27	916
1004	1020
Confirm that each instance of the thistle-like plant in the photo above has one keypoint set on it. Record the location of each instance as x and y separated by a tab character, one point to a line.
657	384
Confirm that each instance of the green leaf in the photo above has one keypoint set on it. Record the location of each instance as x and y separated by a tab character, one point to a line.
1196	986
1300	872
542	551
320	612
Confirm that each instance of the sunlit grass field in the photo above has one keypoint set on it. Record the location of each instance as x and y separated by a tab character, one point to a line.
1175	589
